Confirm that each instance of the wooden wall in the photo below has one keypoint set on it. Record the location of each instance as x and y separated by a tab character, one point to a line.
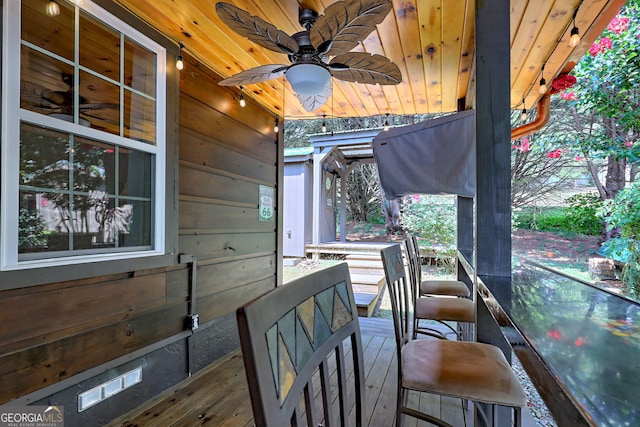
61	338
226	153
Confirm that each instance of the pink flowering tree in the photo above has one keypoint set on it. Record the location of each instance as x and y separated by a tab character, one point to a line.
600	114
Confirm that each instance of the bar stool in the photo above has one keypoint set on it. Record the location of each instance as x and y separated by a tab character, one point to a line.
460	369
441	309
454	288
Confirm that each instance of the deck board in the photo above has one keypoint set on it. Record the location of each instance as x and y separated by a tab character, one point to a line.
218	395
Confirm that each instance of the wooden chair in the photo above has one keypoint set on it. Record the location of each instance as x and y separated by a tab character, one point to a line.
455	288
292	338
441	309
465	370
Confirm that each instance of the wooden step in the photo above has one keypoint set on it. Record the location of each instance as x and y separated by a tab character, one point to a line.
368	279
363	257
366	303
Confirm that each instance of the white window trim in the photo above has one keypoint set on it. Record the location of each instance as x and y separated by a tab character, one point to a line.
12	115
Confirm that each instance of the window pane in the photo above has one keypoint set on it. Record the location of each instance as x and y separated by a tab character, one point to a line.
139	117
139	220
44	158
135	173
53	33
99	47
37	218
139	68
99	103
46	84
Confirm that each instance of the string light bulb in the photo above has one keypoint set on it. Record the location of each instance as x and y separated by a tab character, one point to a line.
276	129
179	60
241	101
53	8
575	36
523	115
386	123
543	83
324	123
575	33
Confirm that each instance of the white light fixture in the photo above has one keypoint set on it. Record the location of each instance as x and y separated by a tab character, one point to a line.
308	79
53	8
324	123
179	60
543	83
241	101
523	115
276	128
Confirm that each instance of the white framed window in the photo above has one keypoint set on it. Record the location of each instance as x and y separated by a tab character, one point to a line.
83	137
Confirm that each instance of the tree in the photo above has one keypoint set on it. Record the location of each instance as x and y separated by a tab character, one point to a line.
604	104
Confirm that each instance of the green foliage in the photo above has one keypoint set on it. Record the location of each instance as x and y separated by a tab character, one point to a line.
433	218
580	217
32	230
582	214
624	214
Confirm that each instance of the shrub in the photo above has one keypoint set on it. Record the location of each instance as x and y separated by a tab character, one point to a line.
32	229
580	217
582	213
433	218
624	213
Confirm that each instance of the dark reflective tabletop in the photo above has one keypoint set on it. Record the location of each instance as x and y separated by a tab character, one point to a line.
589	338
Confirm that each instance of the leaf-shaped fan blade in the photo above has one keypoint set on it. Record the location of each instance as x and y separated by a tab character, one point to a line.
55	97
312	103
256	29
346	23
363	67
255	75
98	106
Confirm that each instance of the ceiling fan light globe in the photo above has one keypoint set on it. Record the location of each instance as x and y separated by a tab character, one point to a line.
308	79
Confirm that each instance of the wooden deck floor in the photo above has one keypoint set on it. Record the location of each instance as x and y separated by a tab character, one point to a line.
218	395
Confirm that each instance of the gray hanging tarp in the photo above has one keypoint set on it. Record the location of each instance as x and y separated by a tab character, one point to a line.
432	157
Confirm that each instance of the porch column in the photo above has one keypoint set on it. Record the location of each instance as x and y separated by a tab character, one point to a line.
493	147
493	169
317	203
343	206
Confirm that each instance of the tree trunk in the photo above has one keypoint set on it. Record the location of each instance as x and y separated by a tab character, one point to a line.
615	181
391	212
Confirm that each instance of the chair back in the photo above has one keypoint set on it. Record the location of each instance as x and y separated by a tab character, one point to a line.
302	352
415	271
400	295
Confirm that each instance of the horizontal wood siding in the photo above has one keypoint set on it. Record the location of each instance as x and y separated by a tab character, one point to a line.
226	153
52	334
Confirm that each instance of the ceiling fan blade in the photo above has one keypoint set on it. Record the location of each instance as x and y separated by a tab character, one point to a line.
97	106
256	29
361	67
313	102
255	75
54	97
346	23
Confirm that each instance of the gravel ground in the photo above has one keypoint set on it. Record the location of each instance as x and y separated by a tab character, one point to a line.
537	407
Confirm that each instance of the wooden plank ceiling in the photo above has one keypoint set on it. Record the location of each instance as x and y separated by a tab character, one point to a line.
432	41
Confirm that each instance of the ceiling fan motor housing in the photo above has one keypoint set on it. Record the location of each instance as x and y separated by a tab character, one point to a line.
307	17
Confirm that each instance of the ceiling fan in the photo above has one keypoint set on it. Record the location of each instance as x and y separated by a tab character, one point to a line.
320	51
58	103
